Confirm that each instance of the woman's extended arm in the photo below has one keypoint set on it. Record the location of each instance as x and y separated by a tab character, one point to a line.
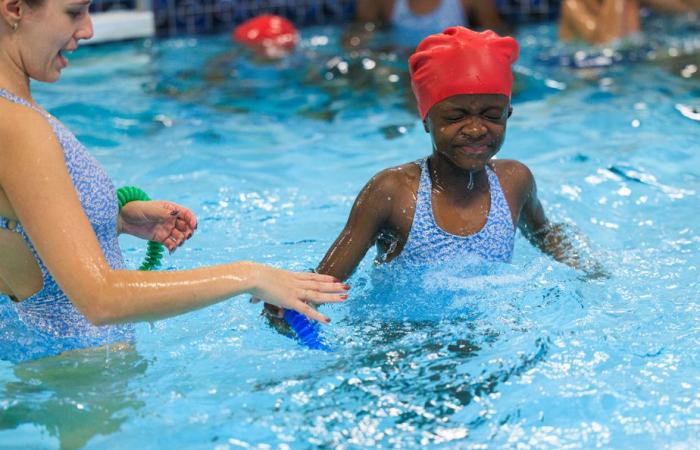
36	182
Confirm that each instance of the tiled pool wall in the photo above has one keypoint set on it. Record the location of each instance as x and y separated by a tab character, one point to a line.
174	17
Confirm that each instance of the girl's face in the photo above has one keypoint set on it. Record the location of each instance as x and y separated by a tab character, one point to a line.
48	33
469	129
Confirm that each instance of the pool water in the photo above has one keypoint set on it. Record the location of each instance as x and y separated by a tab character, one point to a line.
527	355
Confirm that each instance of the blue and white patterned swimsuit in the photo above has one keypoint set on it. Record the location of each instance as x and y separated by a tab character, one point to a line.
50	322
410	28
427	242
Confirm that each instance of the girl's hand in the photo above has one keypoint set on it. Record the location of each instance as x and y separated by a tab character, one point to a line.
159	221
294	290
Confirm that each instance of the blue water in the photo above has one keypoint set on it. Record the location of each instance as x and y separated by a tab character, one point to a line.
528	355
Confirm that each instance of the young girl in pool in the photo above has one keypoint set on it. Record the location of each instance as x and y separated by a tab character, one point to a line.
458	202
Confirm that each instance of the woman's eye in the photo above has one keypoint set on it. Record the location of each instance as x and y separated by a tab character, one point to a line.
75	14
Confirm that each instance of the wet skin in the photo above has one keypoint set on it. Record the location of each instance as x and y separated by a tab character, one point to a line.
467	131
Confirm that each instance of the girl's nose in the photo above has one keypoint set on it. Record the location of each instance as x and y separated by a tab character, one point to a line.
473	129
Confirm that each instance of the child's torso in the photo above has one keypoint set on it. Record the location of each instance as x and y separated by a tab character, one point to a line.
430	225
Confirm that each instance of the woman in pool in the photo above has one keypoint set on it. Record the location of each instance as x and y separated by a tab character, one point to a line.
59	256
458	202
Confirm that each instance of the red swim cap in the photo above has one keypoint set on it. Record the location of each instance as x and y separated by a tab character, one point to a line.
268	33
461	61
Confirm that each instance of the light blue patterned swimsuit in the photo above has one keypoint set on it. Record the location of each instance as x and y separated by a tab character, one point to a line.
409	28
49	322
427	242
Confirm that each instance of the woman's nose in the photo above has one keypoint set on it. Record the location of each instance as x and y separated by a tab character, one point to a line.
85	31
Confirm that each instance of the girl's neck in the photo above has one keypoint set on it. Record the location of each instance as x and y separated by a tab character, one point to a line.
451	179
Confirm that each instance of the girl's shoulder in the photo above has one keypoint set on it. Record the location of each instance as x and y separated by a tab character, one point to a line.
513	174
393	184
398	177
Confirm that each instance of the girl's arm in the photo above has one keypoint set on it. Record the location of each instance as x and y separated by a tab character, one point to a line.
370	211
34	178
554	239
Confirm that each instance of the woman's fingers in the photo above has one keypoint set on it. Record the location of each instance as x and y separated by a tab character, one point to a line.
317	297
310	312
174	240
181	225
317	277
325	286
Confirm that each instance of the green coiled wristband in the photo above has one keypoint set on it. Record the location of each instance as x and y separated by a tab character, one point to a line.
154	250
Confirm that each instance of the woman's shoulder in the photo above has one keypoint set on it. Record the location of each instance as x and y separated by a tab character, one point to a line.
24	132
20	121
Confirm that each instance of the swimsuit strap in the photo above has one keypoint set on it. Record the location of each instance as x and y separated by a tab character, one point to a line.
499	211
7	95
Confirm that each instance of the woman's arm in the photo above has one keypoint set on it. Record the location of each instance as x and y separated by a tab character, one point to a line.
34	178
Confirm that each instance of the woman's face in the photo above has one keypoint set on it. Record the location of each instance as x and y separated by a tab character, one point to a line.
46	34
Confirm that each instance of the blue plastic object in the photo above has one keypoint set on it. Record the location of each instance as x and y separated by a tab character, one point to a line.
308	331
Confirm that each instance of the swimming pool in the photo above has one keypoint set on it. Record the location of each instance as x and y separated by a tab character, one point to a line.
526	356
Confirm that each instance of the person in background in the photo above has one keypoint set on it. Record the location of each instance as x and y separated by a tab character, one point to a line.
267	36
60	260
598	21
412	20
605	21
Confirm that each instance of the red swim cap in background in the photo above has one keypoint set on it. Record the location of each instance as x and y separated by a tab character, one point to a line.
274	35
461	61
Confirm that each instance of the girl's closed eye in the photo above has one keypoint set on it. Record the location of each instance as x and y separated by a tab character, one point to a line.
494	114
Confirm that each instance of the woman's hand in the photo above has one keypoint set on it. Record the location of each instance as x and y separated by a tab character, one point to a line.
159	221
294	290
